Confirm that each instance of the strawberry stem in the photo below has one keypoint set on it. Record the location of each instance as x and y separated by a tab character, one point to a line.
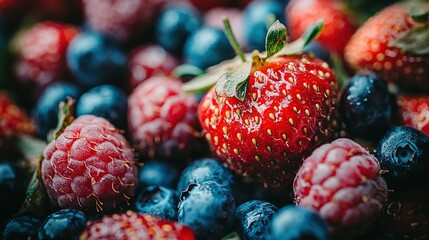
232	40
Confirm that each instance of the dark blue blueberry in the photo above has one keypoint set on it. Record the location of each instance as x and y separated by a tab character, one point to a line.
22	228
252	218
46	110
158	201
257	16
13	184
295	223
208	208
105	101
64	224
404	153
204	170
365	106
175	24
319	51
95	59
207	47
159	173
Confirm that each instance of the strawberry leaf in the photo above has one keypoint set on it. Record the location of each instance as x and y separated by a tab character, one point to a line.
187	70
65	118
276	38
234	83
419	14
415	41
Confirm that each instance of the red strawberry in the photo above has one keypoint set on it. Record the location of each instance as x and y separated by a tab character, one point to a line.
285	110
42	54
148	61
414	112
162	119
338	29
393	44
131	225
89	166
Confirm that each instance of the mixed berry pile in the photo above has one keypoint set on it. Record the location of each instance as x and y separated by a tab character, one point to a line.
214	120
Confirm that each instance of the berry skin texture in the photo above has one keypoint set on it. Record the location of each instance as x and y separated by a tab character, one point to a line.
24	227
64	224
288	110
341	181
208	208
292	222
162	119
337	30
132	225
371	48
404	153
414	112
252	218
42	53
158	201
89	167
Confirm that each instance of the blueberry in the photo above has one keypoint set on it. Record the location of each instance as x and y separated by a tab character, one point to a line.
365	106
158	201
319	51
105	101
46	110
208	208
252	218
159	173
22	228
96	59
207	47
204	170
175	24
13	184
64	224
257	16
293	223
404	153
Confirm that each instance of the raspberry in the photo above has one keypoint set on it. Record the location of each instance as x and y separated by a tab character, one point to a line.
162	119
341	181
89	166
132	225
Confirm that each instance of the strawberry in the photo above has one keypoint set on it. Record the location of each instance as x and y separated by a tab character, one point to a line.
394	43
263	118
338	29
414	112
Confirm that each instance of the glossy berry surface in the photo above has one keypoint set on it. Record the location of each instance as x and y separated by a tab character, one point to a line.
252	218
96	59
256	17
175	24
131	225
208	208
90	166
207	47
159	173
404	153
13	184
365	105
64	224
204	170
158	201
341	181
22	228
106	101
46	110
292	222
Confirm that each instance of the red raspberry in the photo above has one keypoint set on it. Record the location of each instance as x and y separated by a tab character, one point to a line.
341	181
90	166
131	225
162	119
13	120
122	19
150	60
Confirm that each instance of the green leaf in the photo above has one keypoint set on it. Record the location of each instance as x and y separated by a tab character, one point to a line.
419	14
276	38
65	118
232	236
415	41
340	72
232	84
298	45
187	70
